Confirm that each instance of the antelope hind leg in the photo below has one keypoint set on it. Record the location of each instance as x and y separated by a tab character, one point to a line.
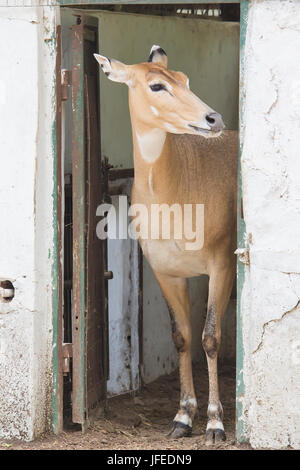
220	285
175	291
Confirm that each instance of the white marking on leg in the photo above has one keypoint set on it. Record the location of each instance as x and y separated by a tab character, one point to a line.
184	419
214	410
214	424
215	416
189	401
151	144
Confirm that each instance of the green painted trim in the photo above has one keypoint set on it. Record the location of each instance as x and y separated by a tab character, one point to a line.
240	385
55	295
140	2
79	190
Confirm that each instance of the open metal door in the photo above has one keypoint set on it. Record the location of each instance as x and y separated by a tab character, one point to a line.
89	307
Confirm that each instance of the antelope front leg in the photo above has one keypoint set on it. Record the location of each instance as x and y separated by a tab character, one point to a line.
175	291
220	285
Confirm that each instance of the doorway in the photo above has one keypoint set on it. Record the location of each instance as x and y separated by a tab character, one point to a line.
134	321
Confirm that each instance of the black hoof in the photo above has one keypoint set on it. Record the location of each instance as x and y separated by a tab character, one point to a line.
213	436
180	430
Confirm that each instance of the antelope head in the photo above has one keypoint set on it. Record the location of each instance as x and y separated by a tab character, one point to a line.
160	98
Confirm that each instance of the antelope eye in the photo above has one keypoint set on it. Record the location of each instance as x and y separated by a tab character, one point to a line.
157	87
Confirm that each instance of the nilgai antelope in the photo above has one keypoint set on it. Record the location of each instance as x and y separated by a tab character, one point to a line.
178	161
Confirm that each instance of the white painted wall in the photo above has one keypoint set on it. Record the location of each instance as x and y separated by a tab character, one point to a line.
26	236
271	194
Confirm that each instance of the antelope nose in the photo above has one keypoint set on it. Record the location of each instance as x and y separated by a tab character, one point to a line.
215	121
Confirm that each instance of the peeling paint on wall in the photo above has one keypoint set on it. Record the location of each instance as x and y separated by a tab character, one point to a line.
26	117
271	195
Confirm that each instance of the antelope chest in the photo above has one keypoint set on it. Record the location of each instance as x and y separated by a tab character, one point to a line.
169	257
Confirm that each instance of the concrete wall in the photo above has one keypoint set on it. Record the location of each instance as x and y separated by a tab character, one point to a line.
271	194
26	236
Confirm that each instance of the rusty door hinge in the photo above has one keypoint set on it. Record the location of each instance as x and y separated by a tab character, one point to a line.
243	255
67	353
66	82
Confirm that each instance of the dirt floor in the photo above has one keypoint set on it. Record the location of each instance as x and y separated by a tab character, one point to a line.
143	421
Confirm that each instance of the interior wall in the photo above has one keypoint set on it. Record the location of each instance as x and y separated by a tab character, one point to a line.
208	52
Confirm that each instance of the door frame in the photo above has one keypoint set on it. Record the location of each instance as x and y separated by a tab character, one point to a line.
57	217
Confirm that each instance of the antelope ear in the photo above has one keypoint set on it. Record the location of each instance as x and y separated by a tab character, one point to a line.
114	70
158	55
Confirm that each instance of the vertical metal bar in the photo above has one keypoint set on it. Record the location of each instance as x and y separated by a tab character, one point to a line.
57	401
95	298
140	314
104	186
240	386
78	168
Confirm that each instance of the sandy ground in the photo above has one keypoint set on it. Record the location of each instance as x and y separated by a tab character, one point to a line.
143	421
